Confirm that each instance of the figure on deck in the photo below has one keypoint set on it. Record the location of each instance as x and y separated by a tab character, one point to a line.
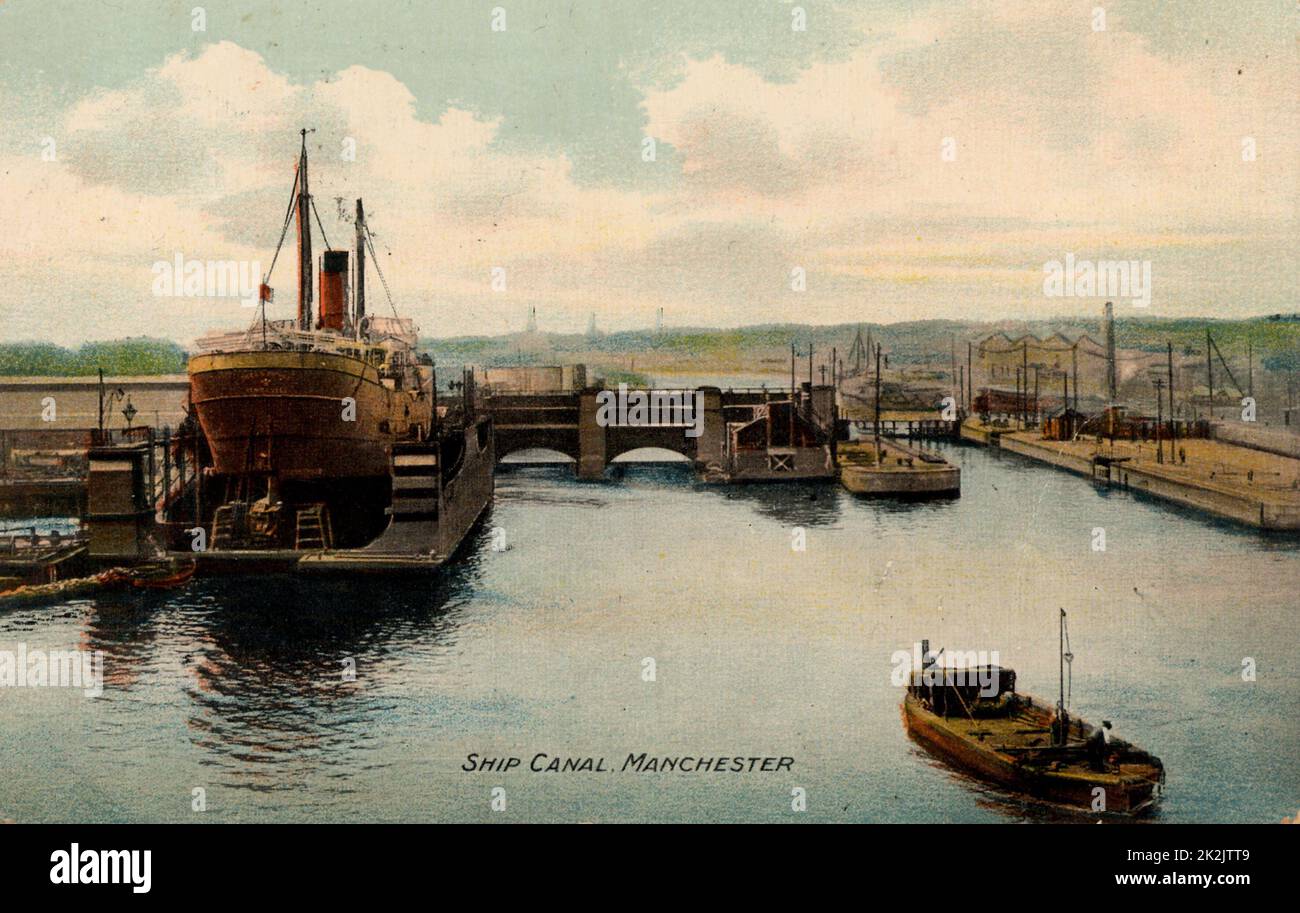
1099	746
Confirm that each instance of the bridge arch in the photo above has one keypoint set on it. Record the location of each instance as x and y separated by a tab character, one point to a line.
650	454
628	439
536	456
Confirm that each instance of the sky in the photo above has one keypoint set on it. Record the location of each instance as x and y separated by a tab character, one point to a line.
887	161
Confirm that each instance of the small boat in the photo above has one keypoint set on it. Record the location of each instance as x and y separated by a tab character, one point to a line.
163	575
974	719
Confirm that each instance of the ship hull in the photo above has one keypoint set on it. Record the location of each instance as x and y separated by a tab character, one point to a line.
299	415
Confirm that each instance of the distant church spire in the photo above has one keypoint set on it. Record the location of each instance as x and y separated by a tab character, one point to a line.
532	320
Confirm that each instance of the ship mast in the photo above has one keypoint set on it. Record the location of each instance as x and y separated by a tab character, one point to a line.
304	242
360	296
1063	725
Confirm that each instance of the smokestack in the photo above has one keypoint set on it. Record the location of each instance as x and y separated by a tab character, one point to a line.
1110	352
333	278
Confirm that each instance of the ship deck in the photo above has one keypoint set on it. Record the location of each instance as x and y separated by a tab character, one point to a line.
1016	749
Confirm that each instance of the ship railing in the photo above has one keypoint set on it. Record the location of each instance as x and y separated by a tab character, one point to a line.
284	334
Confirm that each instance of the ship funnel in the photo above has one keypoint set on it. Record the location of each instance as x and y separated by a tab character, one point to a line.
333	280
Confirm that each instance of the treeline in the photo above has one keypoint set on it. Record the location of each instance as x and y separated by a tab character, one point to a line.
123	357
1275	340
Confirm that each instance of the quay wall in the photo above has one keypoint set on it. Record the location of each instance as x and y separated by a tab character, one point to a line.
978	435
1237	506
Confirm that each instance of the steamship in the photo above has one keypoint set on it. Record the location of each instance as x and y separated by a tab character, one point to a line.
325	432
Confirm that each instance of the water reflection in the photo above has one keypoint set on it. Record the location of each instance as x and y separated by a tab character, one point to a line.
298	673
809	504
123	625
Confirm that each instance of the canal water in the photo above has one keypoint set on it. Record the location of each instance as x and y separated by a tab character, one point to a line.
276	699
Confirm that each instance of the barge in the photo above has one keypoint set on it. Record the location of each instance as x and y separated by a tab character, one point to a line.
893	470
973	719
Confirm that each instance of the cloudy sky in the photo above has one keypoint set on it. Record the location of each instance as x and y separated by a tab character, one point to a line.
916	160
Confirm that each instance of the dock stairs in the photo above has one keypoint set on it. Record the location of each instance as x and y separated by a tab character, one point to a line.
415	483
409	543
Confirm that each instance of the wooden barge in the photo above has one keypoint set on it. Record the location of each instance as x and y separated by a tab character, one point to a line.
974	719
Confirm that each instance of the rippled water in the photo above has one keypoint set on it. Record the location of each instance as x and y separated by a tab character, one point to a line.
237	687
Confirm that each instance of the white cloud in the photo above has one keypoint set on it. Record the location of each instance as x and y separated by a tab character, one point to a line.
1066	140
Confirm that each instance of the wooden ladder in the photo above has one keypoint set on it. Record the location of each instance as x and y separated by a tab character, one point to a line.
312	531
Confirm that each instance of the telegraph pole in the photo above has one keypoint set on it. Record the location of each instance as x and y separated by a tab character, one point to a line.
1020	400
970	377
952	353
792	394
1250	368
1024	395
1074	358
1209	369
1112	387
1173	425
877	421
1160	400
1037	419
1066	425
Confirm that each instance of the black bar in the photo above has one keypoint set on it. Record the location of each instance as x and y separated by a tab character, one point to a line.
1026	865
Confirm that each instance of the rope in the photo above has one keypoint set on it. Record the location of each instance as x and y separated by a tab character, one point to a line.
374	258
963	703
312	199
1069	665
284	230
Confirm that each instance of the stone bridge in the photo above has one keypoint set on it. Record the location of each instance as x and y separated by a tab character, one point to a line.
567	422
